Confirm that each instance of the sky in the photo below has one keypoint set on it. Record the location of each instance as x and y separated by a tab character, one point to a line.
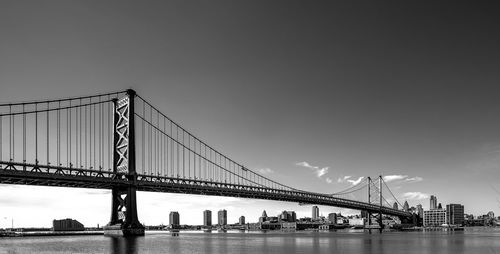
314	94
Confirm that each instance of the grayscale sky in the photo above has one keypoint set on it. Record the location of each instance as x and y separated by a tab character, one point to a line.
406	89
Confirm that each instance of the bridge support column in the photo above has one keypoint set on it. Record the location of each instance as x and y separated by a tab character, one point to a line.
124	220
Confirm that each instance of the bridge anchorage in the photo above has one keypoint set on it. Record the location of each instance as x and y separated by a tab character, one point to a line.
94	142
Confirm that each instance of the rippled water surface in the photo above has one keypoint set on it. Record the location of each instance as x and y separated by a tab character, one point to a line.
481	241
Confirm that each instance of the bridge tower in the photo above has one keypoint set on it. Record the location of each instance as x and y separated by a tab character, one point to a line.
380	199
124	220
369	219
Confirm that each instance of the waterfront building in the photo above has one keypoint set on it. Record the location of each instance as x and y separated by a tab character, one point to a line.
332	218
433	204
395	206
315	213
420	211
287	216
67	225
434	218
242	220
455	214
356	221
491	215
289	226
406	207
174	220
263	218
207	218
222	217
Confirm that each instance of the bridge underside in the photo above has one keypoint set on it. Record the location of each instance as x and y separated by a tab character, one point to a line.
30	174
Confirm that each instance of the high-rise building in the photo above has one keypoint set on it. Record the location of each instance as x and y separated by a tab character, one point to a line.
440	207
288	216
207	218
332	218
222	217
242	220
455	214
395	206
420	211
433	204
315	213
406	207
174	219
434	218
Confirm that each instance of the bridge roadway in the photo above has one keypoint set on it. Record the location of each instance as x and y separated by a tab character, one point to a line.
48	175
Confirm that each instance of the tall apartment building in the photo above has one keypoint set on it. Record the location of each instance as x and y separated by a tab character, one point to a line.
455	214
222	217
174	220
315	213
207	218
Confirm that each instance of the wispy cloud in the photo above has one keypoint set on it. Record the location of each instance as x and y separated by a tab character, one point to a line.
265	171
356	182
414	179
317	170
415	195
390	178
329	180
400	178
343	179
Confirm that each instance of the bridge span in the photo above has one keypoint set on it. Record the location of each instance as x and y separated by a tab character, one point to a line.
119	141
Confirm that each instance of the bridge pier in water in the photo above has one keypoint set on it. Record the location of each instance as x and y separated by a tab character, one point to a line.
124	220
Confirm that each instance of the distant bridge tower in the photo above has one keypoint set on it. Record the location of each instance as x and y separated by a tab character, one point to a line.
124	219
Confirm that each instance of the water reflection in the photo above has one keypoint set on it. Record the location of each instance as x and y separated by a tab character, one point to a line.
124	245
473	241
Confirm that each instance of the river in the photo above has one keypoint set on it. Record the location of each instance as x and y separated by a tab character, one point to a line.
472	240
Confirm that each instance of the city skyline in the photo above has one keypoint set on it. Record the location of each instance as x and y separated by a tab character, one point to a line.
290	94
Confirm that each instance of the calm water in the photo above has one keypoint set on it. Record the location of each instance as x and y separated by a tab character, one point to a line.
481	241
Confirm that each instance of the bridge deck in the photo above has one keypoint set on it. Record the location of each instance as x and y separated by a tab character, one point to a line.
47	175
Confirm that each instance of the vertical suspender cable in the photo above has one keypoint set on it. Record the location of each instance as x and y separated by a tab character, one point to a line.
80	133
85	130
24	136
76	136
1	134
103	141
70	136
90	135
183	158
95	134
13	137
109	133
59	134
48	138
150	139
10	132
171	150
143	137
36	133
67	137
101	135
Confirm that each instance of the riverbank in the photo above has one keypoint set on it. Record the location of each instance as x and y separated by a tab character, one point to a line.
47	233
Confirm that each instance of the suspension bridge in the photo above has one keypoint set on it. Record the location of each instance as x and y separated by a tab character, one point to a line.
120	141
